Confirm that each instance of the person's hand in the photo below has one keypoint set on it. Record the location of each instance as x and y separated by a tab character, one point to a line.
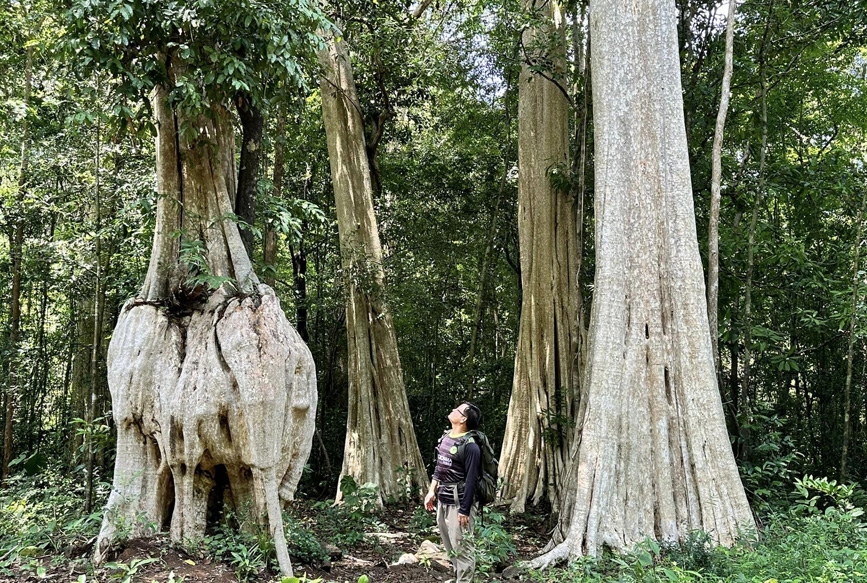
463	520
429	500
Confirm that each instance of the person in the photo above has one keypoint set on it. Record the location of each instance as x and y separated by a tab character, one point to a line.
453	488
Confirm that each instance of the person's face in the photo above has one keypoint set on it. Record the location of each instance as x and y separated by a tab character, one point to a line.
459	414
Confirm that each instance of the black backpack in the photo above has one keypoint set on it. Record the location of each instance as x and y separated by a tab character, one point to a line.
486	487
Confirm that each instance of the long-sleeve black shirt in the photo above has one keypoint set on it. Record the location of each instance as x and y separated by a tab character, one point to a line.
451	470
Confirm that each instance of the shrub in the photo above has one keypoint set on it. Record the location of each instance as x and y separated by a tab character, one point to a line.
422	521
345	523
493	545
303	544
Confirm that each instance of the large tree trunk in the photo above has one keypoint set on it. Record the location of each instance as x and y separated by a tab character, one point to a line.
214	396
379	432
652	457
544	390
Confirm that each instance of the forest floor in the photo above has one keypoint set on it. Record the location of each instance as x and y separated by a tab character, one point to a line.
816	533
353	547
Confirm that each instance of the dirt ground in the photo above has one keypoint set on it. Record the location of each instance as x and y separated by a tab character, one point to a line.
154	560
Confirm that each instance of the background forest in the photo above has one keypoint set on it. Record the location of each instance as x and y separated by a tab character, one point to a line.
439	101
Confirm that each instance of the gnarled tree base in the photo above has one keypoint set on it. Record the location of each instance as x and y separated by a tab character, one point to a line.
212	408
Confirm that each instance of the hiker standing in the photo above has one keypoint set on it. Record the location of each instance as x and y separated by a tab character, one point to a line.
454	485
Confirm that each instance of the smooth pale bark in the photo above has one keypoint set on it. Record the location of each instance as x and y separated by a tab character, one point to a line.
652	456
379	434
715	187
214	396
545	385
850	354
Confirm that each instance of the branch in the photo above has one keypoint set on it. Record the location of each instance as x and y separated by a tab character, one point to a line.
421	8
529	61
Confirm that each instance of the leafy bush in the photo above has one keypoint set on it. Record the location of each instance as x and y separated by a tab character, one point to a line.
821	494
404	481
695	553
493	545
422	521
821	547
773	463
345	523
359	501
242	550
303	544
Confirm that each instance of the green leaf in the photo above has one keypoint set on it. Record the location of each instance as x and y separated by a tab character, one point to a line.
645	559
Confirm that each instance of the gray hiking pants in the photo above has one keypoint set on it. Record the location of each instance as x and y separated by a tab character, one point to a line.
460	550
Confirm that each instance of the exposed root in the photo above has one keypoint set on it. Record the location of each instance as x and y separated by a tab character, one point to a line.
275	522
555	556
233	387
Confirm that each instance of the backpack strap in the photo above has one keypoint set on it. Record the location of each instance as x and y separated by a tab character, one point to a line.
471	436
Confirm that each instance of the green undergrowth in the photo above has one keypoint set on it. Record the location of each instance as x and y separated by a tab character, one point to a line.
821	537
41	514
815	533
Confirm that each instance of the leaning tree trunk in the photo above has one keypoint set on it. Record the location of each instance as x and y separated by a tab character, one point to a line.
214	395
653	457
379	434
544	390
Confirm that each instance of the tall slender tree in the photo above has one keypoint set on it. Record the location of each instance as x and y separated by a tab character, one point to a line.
544	390
16	249
380	437
715	187
850	353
